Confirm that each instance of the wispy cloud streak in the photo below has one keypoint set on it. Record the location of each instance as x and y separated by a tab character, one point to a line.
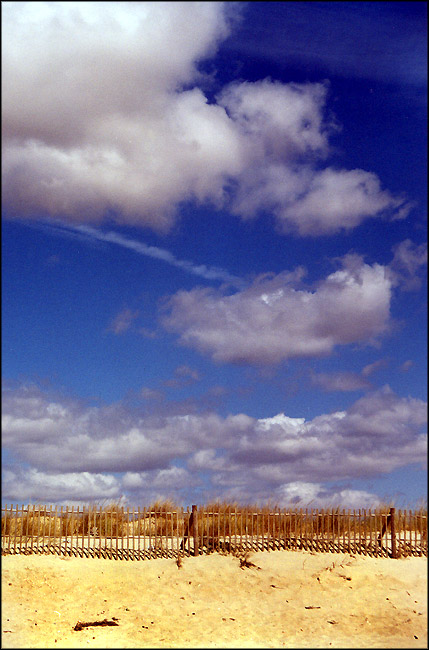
139	247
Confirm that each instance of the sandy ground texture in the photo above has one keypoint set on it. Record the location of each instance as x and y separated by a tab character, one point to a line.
293	599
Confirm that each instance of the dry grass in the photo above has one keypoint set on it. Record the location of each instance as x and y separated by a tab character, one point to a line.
31	525
163	519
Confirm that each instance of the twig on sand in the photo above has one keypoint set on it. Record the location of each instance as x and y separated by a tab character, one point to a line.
79	625
244	563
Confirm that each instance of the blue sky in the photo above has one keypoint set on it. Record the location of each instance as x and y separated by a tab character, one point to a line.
214	252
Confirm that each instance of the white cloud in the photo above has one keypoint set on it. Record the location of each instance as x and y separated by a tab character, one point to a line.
166	479
183	376
93	115
377	434
100	119
123	321
340	381
407	263
100	439
282	121
285	130
275	319
133	480
405	367
187	373
34	486
374	367
337	199
151	394
107	452
300	494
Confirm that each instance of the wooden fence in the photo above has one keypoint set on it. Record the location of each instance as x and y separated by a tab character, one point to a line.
138	534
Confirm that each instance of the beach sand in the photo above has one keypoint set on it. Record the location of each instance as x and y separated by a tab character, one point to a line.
294	599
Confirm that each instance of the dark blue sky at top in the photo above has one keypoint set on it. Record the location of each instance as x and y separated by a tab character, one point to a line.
374	55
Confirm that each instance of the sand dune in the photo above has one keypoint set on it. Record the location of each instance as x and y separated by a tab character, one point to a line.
294	599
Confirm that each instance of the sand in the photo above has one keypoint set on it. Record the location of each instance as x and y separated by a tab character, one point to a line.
294	599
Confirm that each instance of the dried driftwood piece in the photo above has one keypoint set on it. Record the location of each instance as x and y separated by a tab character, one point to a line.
245	563
79	625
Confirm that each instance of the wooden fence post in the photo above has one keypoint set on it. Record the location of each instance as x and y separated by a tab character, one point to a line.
393	532
195	530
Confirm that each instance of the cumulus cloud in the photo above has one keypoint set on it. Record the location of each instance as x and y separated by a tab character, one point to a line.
276	319
94	118
377	434
32	486
335	199
109	451
101	120
67	437
282	121
301	494
172	478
